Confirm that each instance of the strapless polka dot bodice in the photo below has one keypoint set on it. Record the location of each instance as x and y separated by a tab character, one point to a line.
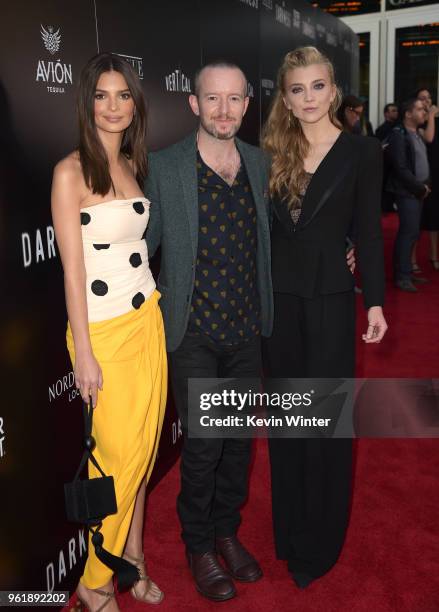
116	257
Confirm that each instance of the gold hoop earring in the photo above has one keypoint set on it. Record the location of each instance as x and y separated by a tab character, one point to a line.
289	118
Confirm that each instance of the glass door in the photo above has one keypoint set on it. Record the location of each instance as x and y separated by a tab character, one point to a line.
413	44
364	81
416	59
368	30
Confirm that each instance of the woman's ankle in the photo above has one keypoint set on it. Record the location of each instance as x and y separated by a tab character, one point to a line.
106	588
135	552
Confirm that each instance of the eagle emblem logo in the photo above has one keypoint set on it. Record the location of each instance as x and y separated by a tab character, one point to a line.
51	39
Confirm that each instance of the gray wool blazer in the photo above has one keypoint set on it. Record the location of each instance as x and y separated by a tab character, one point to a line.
172	188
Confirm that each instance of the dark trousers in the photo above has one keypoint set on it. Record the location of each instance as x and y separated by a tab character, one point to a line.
409	212
387	201
311	478
214	472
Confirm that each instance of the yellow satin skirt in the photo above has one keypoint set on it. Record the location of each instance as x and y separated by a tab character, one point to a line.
128	418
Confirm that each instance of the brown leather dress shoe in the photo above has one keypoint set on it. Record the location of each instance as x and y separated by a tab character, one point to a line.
240	563
211	579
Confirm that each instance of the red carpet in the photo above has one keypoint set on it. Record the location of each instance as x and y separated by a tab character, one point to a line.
390	561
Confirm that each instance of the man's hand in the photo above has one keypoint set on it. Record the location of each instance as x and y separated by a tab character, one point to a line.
350	259
427	192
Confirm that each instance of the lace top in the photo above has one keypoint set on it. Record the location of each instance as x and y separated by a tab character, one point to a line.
297	209
116	257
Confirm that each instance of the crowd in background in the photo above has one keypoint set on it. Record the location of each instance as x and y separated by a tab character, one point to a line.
410	140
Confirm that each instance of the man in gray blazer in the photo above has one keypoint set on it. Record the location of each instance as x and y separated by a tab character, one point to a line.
210	214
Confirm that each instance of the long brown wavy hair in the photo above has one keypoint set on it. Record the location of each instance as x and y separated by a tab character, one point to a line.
94	160
282	135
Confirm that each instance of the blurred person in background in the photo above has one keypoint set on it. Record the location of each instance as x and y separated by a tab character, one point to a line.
430	215
427	131
408	181
351	116
390	118
383	134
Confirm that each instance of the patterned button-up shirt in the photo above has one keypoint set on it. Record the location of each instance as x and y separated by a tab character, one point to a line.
225	303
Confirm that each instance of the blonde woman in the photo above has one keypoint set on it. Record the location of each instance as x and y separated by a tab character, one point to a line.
325	185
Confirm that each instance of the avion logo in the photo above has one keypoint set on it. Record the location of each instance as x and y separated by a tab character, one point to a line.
55	74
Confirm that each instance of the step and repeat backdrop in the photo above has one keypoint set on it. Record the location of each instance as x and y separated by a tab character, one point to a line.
42	50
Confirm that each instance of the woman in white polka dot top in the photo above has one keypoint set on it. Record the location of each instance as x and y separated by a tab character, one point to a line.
116	257
115	333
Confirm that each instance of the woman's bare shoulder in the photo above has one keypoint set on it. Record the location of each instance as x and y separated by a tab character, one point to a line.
68	183
68	168
68	175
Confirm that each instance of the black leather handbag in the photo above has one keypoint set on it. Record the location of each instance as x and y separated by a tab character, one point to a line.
90	501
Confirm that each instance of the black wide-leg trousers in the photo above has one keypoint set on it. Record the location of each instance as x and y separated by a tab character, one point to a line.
214	472
311	478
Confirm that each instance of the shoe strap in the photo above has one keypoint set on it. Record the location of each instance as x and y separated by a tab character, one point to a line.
137	561
108	594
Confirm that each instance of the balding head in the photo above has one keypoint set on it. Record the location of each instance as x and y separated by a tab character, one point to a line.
225	68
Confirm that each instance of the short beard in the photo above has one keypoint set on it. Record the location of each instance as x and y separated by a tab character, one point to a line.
212	131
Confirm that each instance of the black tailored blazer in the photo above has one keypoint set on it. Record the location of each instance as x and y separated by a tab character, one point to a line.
343	199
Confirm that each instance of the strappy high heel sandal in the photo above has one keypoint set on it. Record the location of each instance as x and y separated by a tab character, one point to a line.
153	594
80	604
435	263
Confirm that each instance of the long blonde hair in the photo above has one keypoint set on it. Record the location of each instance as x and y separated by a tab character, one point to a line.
283	137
